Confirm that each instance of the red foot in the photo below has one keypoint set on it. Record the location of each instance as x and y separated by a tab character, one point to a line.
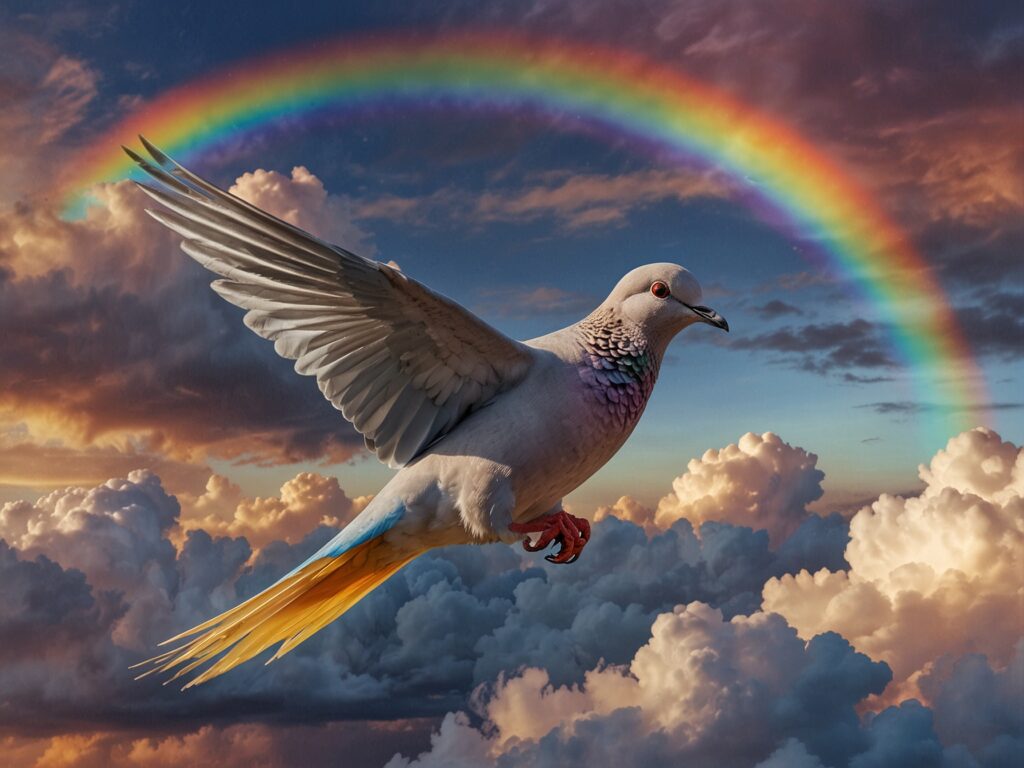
571	533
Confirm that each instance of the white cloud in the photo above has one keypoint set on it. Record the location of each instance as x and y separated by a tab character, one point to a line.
302	200
115	534
929	575
760	481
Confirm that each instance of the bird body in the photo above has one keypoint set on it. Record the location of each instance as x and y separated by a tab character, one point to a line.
489	434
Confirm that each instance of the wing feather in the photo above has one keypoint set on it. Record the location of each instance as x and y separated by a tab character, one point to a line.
401	362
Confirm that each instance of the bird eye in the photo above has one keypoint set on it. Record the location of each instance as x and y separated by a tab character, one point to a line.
660	289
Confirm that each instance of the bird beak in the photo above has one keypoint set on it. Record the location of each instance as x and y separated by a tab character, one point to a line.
708	315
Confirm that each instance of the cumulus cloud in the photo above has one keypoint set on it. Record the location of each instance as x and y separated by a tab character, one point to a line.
665	655
628	508
926	572
302	200
759	481
114	533
306	501
416	647
113	340
703	691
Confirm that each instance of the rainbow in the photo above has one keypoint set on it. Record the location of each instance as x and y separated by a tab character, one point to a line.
627	94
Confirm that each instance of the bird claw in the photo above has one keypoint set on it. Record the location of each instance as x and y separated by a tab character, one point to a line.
569	532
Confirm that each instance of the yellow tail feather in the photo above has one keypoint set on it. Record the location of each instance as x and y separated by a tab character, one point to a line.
289	612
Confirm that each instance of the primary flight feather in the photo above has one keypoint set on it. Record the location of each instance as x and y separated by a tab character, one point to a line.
489	433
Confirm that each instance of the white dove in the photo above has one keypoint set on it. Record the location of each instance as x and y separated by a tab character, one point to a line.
489	433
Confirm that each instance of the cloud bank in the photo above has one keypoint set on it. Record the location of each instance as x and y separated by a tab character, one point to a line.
657	646
926	573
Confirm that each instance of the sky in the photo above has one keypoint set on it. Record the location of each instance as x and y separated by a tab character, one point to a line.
789	488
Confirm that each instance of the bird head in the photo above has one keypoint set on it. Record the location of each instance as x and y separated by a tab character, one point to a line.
662	299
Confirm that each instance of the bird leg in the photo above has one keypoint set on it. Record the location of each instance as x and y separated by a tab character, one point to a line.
569	532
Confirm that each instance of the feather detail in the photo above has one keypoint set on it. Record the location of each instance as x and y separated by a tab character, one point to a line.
359	326
313	595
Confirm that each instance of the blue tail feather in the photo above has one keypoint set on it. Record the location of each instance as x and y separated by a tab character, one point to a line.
371	523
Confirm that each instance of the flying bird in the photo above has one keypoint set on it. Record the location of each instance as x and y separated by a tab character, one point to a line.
488	433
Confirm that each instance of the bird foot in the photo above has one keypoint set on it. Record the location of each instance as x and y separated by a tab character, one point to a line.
569	532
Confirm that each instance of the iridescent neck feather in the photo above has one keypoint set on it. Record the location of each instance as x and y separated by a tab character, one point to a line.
619	365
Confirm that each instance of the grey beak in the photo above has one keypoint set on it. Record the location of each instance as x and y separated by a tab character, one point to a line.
708	315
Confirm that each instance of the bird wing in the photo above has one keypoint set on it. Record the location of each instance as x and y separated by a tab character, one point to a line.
401	362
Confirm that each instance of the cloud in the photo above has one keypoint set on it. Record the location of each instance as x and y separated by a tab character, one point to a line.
759	481
853	378
584	200
114	342
936	146
46	93
302	200
628	508
573	200
823	347
776	308
978	706
27	463
702	691
910	407
666	654
231	746
115	534
996	326
926	572
416	647
306	501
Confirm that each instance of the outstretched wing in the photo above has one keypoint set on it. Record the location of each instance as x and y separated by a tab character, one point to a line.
402	363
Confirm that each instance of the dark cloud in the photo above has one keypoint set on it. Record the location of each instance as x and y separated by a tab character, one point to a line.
776	308
416	647
995	326
824	347
738	712
979	706
978	256
797	708
853	378
910	407
114	334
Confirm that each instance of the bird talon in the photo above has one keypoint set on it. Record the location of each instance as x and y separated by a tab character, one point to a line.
569	532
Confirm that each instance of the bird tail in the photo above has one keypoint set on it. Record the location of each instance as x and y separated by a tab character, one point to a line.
309	598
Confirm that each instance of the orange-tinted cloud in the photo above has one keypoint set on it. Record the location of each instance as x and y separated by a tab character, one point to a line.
306	501
628	508
233	746
113	341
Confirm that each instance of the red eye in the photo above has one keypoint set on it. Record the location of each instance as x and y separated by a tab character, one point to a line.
660	289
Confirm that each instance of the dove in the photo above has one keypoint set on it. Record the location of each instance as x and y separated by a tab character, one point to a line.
488	434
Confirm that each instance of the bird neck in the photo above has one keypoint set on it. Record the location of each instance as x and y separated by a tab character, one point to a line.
619	364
